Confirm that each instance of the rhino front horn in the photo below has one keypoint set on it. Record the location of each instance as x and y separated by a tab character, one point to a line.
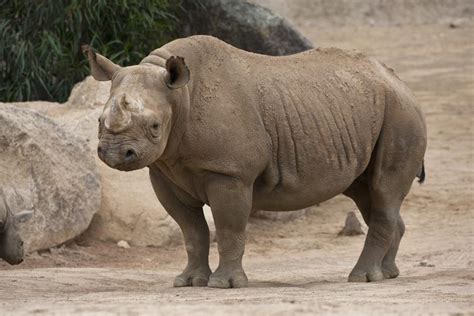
119	117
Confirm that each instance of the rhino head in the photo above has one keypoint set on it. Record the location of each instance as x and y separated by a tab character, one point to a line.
136	122
11	244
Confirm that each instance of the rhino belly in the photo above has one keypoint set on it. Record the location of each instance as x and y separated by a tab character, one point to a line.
320	145
280	189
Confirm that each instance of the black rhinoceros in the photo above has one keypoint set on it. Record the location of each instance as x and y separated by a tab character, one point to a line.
239	131
11	243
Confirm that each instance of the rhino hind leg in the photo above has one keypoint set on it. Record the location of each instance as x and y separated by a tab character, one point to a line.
389	268
369	265
377	260
360	193
379	193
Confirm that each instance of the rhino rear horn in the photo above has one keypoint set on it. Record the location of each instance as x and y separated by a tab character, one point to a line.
177	72
102	69
23	216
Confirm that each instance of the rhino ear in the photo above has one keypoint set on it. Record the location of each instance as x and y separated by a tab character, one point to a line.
102	69
177	72
23	216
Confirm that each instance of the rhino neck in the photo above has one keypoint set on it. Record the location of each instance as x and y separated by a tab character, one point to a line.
158	58
179	123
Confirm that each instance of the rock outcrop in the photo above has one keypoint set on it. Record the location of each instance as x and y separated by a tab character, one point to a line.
49	170
242	24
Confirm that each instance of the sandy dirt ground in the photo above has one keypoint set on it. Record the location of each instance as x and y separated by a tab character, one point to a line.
300	267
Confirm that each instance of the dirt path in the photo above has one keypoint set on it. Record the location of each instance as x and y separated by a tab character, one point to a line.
301	267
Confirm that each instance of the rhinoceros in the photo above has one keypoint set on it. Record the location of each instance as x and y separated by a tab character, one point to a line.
240	131
11	243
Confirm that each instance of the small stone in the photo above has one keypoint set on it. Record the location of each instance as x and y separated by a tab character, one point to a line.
123	244
457	23
352	226
34	255
424	263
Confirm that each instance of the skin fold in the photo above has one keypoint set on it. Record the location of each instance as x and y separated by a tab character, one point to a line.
240	131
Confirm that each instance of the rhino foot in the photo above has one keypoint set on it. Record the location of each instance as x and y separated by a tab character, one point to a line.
231	279
369	274
196	277
390	270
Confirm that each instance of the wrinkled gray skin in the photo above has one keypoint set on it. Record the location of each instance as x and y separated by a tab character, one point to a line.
241	131
11	244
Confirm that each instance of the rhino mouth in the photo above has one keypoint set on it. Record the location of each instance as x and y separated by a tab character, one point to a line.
125	160
13	262
13	257
126	166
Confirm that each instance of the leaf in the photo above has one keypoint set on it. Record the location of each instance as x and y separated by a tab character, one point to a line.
43	59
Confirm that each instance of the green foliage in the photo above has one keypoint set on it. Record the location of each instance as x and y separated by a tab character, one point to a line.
40	41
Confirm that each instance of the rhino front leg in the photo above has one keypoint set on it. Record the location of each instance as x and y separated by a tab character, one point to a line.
230	201
189	215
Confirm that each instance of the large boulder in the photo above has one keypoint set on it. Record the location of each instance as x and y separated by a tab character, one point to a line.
49	170
242	24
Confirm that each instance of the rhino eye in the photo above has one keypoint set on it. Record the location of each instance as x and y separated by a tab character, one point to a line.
155	129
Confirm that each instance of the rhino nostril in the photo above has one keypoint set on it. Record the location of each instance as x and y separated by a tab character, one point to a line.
99	149
130	155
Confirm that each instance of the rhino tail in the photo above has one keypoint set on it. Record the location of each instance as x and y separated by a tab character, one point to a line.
421	174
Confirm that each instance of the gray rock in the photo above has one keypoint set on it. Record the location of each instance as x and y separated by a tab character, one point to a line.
123	244
49	170
242	24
